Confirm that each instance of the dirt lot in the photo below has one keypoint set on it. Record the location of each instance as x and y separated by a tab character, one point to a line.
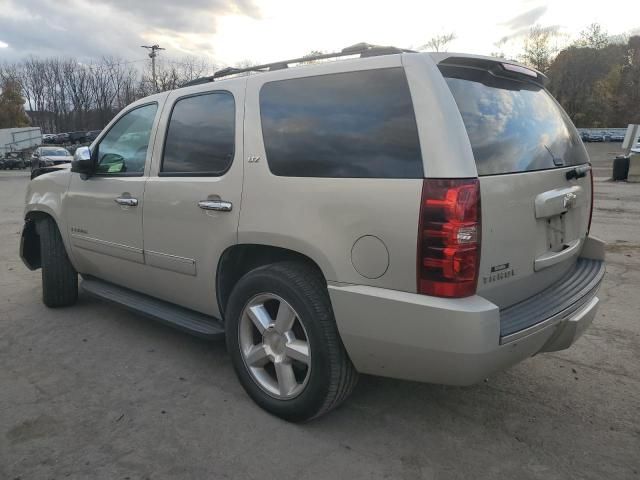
96	392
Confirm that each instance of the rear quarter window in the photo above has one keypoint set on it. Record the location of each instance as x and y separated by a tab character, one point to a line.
355	125
513	126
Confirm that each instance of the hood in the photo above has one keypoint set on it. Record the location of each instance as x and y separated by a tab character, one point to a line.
54	168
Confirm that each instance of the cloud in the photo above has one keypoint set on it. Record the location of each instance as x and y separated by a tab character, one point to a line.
525	31
526	19
88	29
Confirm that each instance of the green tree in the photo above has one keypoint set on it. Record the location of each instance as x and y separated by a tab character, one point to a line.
628	91
538	48
12	112
586	83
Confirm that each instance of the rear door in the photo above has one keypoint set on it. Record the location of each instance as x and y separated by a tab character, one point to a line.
534	179
192	198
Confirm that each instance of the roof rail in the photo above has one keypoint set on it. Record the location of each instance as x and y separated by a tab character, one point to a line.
362	49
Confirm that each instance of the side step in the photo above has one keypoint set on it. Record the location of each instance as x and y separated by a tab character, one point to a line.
182	318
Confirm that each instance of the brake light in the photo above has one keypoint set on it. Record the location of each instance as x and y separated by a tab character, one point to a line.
449	237
591	207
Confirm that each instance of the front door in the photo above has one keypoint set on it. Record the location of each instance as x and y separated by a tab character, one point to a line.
104	210
192	198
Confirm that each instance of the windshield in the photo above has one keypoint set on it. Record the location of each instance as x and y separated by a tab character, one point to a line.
55	152
513	126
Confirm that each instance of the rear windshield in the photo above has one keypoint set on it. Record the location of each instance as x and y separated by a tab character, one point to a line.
514	126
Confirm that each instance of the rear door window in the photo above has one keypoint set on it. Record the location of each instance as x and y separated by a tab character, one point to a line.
356	125
514	126
201	136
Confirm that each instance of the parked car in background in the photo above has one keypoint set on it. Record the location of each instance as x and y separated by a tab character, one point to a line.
92	135
584	136
596	137
386	226
48	138
62	138
49	156
14	160
616	137
77	137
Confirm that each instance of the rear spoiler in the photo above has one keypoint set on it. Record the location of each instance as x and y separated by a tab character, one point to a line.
497	66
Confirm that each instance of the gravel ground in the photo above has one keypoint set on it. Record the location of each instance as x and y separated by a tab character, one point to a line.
96	392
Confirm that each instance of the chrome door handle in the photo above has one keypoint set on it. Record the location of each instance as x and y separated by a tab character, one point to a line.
128	202
218	205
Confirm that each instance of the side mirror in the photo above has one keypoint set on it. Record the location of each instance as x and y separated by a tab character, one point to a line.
82	161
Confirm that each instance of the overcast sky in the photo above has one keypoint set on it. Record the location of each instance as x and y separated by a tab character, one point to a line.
228	31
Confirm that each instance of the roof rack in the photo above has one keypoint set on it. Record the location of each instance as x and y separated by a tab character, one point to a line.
362	49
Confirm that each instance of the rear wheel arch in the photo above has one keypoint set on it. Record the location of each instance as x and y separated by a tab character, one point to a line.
237	260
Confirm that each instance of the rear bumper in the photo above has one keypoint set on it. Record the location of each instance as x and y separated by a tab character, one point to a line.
446	341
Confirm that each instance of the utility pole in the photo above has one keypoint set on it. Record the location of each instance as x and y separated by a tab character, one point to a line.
152	55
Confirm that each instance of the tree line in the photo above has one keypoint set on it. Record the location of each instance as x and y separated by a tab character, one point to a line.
596	78
63	94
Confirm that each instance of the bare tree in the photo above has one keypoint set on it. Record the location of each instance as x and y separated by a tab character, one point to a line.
439	43
594	36
171	74
63	94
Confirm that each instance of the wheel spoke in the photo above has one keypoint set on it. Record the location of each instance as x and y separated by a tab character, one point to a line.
257	356
298	350
285	318
260	317
286	379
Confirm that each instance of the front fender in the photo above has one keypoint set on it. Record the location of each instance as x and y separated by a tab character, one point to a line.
45	196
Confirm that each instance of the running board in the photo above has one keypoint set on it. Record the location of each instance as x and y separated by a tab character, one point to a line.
195	323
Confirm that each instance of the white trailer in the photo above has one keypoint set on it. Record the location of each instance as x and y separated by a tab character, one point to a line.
17	139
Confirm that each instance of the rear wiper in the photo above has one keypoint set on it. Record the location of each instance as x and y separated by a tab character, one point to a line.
557	161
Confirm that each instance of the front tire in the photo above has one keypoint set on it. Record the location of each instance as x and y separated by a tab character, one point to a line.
59	278
284	342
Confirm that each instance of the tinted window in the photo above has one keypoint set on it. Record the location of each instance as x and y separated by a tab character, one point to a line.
201	134
356	124
124	148
513	126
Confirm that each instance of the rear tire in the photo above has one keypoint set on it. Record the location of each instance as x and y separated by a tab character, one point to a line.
320	381
59	278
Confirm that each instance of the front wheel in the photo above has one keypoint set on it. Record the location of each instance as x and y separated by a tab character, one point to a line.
284	342
59	278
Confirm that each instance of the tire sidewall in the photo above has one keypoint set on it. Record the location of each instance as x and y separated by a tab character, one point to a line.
311	399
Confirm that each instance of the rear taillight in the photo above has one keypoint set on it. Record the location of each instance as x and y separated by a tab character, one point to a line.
449	237
591	207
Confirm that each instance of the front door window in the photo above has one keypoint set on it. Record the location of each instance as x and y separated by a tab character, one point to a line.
124	149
